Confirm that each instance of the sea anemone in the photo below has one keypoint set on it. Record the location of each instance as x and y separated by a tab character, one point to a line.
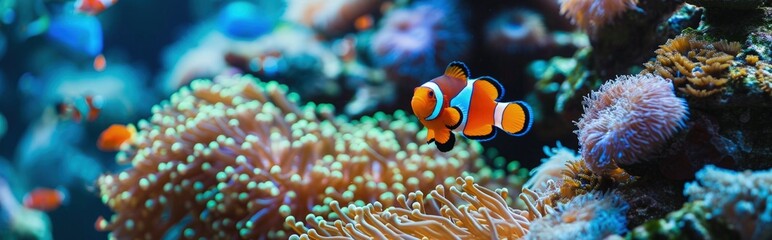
594	215
418	41
743	200
517	31
472	212
591	14
628	119
232	160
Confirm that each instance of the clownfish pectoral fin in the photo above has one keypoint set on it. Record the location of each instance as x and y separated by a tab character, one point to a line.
457	70
429	136
490	87
454	117
447	145
480	133
442	136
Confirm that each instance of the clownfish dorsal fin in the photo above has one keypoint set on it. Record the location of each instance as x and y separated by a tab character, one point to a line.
457	70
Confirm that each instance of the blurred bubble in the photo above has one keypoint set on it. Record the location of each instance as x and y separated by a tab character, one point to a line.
244	21
78	33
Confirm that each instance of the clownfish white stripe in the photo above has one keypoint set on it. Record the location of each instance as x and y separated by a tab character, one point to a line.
438	95
498	115
462	102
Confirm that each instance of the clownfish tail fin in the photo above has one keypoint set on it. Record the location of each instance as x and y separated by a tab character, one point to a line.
515	118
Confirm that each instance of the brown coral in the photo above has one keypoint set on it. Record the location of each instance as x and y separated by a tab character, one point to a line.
697	67
232	160
474	212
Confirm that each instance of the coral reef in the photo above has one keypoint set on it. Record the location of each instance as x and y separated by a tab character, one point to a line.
692	221
697	67
417	42
517	31
733	19
471	212
233	159
330	18
292	56
595	215
618	111
593	14
742	200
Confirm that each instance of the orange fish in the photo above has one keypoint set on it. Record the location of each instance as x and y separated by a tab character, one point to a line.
87	106
472	107
46	199
363	22
115	136
93	7
100	63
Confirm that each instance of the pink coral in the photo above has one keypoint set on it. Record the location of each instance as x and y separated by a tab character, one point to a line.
627	119
589	14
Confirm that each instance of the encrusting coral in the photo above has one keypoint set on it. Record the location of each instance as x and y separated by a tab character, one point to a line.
232	160
743	200
614	117
472	212
697	67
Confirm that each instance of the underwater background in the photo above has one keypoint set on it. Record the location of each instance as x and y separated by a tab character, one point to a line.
292	119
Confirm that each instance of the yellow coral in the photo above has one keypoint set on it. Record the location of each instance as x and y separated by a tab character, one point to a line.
751	59
697	67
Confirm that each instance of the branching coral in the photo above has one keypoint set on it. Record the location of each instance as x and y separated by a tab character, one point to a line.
697	67
232	160
591	14
628	119
594	215
743	200
485	215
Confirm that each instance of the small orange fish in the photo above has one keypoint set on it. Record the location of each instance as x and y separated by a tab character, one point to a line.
363	22
87	107
100	63
453	102
93	7
46	199
116	136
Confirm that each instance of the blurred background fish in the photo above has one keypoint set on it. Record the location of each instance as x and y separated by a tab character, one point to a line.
46	199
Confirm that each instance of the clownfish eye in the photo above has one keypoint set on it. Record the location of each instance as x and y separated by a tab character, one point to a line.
431	94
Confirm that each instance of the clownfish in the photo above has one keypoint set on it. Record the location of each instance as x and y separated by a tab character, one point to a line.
46	199
93	7
115	136
87	107
454	102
